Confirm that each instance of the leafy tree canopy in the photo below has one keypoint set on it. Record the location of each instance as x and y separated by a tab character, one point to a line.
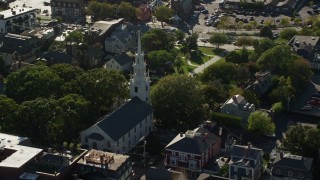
261	123
163	13
218	39
303	140
33	82
224	71
178	101
158	59
157	39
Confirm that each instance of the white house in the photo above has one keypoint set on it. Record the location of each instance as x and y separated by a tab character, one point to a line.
17	19
122	129
121	62
123	39
238	106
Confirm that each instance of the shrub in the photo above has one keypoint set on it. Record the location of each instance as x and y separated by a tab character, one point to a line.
226	119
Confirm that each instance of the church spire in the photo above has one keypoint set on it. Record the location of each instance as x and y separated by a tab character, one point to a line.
140	80
139	42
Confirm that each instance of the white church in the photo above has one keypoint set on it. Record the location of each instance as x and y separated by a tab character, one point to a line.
122	129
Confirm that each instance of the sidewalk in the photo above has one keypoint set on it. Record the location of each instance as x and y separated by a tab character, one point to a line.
200	68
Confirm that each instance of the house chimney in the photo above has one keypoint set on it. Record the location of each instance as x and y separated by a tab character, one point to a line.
249	145
234	98
205	136
281	155
181	134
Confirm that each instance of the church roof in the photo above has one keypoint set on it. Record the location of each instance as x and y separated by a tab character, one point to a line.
122	120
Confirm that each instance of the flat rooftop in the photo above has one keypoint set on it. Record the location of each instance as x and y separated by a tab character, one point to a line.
21	154
14	140
94	157
19	10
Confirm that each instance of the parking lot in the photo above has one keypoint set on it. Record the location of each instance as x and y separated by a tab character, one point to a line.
211	9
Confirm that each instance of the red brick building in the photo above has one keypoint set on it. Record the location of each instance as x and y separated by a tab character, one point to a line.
191	151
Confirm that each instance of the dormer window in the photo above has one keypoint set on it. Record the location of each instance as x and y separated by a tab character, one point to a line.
300	175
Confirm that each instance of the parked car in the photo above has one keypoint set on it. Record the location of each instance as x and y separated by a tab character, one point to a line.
316	95
314	102
205	11
306	108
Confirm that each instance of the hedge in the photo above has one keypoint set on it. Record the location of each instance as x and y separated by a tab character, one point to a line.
226	119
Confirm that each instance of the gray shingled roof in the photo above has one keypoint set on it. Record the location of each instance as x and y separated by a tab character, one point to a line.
123	58
245	151
194	144
120	121
293	161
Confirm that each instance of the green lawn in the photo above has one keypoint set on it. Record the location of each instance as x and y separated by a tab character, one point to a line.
207	50
280	41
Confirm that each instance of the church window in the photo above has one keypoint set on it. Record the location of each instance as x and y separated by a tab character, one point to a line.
146	87
146	99
136	89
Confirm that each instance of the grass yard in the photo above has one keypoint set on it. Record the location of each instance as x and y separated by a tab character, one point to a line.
280	41
208	51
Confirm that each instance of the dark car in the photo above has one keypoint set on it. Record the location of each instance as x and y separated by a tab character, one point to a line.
205	11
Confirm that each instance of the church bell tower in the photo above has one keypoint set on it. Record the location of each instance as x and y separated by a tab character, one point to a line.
140	80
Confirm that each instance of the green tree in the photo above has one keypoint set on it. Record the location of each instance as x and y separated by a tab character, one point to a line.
157	39
283	90
75	36
218	39
163	13
76	115
266	31
261	123
127	11
180	35
40	120
101	87
2	66
263	45
288	33
277	107
285	22
66	72
302	140
233	57
178	101
276	59
158	59
251	97
32	82
300	73
224	23
8	109
214	93
224	71
191	43
244	55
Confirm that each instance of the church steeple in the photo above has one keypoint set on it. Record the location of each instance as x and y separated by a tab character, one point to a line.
140	80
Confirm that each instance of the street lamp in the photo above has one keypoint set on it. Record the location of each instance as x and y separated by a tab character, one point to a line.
144	150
